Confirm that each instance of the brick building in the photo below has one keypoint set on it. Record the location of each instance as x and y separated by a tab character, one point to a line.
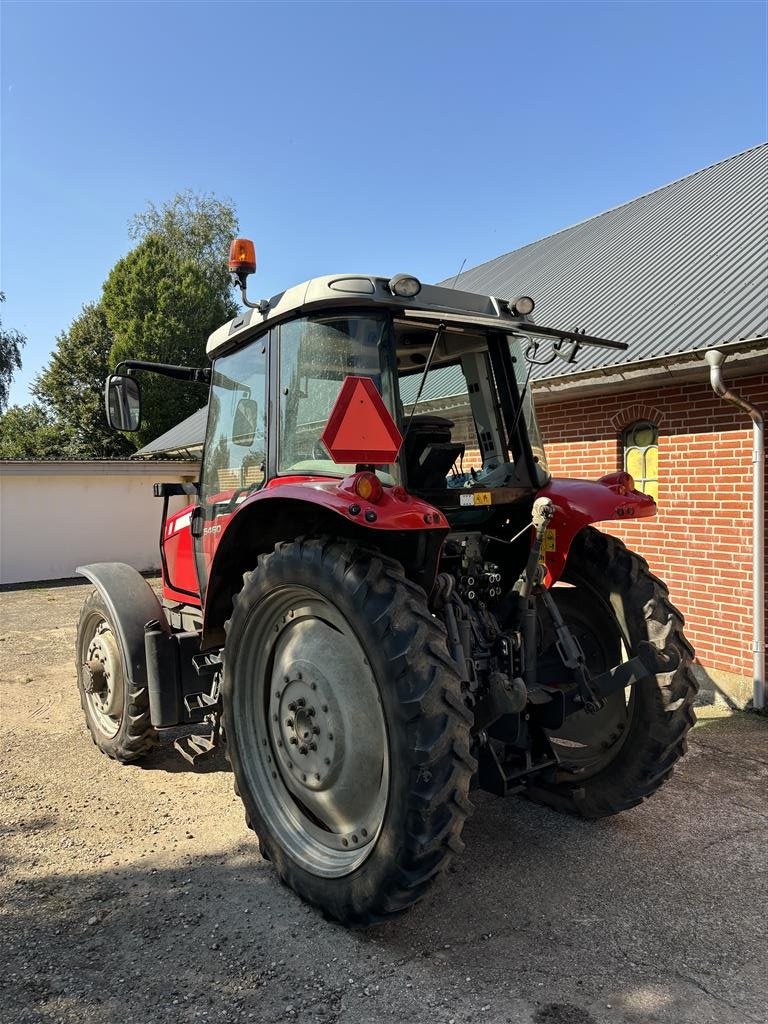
673	273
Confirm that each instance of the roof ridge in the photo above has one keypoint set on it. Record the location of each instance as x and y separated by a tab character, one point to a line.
612	209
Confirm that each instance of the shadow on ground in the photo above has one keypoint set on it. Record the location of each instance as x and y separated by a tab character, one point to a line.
648	917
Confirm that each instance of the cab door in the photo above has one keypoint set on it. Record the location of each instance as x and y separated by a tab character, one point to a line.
235	453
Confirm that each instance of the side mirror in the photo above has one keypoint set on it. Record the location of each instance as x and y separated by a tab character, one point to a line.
245	423
122	399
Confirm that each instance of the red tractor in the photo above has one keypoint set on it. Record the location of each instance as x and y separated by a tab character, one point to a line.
379	596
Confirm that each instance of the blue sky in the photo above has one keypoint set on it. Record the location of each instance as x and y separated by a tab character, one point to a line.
372	137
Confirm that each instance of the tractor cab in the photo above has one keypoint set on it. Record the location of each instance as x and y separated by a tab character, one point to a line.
454	421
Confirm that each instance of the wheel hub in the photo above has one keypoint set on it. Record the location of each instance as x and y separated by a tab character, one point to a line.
306	727
104	684
103	679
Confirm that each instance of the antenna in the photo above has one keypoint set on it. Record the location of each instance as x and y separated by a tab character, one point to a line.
459	272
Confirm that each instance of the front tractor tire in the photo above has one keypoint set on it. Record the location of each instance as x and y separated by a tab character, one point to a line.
346	728
116	709
614	759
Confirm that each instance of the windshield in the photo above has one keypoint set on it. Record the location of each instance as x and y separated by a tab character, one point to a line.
316	355
457	436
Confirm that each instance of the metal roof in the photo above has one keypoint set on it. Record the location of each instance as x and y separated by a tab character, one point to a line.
442	382
678	269
184	437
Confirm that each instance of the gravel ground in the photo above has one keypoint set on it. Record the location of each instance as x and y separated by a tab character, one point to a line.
137	894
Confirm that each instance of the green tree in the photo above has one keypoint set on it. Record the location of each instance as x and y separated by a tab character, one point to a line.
198	228
162	306
11	343
30	432
72	387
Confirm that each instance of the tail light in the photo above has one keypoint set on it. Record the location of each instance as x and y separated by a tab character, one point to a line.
368	487
620	483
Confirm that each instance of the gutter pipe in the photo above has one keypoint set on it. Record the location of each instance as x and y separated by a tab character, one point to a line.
716	358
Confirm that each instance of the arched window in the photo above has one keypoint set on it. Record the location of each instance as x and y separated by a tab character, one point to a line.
641	456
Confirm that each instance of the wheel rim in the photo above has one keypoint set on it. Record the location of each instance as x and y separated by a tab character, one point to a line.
102	676
587	743
311	730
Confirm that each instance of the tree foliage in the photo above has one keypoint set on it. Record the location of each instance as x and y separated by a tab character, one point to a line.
159	303
31	432
11	343
72	387
198	228
161	306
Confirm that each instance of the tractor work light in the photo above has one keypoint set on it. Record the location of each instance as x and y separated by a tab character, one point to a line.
242	257
523	306
368	487
405	286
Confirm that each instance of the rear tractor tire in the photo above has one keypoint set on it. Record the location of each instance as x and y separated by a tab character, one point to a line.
346	728
617	608
116	710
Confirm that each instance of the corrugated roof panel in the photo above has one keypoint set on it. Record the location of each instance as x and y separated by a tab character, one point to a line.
677	269
190	433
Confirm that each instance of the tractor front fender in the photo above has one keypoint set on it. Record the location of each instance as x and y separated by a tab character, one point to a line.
282	513
131	603
581	502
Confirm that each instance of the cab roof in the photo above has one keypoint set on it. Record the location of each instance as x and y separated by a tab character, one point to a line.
362	291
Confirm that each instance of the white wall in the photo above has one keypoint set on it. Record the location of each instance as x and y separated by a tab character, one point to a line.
55	516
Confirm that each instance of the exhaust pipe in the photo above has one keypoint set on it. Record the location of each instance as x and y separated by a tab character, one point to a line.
716	358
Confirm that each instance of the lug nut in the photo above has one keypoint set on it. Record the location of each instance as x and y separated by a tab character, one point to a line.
302	749
292	706
316	730
289	722
301	702
313	746
294	740
311	712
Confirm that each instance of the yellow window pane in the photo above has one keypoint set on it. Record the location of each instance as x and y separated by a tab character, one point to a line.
652	462
635	462
652	487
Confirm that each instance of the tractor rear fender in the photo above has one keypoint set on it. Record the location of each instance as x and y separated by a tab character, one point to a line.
400	530
581	502
131	603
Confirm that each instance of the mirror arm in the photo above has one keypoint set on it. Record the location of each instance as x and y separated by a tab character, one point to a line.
195	374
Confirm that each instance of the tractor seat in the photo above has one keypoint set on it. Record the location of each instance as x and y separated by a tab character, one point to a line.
429	452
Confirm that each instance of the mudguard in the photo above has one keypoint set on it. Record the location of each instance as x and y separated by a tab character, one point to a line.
581	502
131	603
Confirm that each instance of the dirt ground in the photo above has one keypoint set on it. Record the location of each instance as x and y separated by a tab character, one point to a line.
133	894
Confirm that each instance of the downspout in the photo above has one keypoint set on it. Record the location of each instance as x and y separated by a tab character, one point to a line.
715	358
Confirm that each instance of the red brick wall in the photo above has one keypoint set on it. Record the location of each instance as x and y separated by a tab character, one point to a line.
700	541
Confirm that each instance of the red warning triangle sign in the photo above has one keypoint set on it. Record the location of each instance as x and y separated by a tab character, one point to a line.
360	428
